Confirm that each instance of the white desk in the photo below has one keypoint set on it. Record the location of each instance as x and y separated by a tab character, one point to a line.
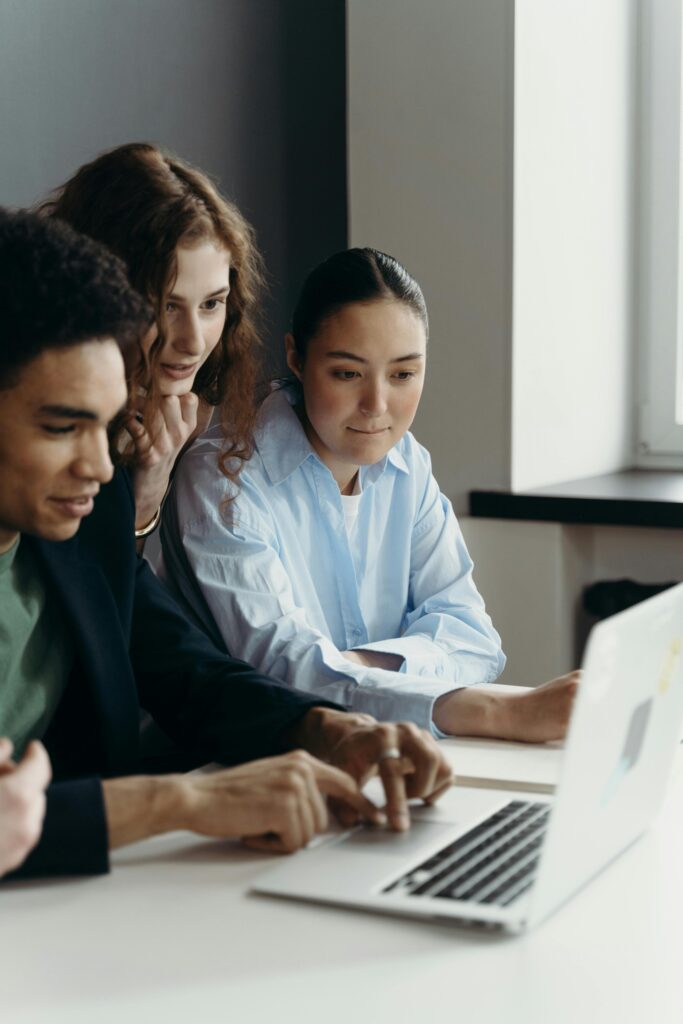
172	936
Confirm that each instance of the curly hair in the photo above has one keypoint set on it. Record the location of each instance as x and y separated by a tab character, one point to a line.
59	289
143	202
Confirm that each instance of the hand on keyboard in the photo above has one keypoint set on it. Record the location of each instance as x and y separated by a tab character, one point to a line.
408	760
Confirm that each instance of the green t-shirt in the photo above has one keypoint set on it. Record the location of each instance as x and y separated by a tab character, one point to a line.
36	651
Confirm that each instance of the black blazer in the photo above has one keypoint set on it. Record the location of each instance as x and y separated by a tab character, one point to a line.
134	648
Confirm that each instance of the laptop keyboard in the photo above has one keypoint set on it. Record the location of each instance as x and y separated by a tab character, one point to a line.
495	862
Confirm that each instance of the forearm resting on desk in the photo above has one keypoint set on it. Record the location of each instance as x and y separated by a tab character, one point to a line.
534	716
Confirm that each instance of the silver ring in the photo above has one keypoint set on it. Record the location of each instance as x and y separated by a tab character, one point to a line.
390	752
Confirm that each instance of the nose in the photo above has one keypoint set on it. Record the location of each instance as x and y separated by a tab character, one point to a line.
373	401
94	461
186	336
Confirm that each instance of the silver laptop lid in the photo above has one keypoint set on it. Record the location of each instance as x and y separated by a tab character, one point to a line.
624	732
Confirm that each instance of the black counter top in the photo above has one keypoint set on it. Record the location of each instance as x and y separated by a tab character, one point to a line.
634	497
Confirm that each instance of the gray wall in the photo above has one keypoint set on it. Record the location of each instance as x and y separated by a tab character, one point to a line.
252	91
430	180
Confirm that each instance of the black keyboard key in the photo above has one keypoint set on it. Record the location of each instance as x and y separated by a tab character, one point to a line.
485	846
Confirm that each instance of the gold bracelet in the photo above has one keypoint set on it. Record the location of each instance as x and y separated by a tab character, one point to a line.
151	526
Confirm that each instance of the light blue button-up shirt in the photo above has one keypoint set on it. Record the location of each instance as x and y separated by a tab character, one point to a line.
278	578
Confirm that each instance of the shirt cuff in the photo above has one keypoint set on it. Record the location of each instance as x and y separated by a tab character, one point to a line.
436	732
393	697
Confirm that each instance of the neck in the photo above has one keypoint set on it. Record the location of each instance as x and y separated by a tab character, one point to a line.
7	540
345	476
349	486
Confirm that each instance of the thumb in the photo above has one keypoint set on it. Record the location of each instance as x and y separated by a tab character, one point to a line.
339	784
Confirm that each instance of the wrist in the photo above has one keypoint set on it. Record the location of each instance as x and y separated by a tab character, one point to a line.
323	729
314	730
517	715
145	526
149	494
141	806
169	804
473	712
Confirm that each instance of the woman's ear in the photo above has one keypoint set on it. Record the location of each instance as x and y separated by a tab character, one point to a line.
292	355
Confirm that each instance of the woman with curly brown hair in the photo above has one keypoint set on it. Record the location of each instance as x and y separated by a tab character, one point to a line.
192	254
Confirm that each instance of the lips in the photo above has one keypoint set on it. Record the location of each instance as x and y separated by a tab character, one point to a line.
76	507
368	433
179	371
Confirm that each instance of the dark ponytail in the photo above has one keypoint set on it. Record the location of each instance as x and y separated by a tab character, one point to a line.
353	275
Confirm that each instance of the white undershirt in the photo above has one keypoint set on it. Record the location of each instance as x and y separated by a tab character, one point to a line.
350	505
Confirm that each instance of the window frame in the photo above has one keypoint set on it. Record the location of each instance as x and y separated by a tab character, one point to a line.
659	239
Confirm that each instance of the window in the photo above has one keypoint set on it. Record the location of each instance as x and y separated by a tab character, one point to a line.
659	244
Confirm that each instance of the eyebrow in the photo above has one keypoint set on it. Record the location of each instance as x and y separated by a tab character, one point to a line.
68	412
219	291
338	354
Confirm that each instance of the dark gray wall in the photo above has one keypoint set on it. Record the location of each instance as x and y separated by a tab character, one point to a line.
252	91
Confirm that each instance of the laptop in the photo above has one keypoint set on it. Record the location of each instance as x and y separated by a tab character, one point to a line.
503	860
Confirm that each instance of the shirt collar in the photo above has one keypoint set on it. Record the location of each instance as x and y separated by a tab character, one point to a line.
396	458
7	557
279	436
283	445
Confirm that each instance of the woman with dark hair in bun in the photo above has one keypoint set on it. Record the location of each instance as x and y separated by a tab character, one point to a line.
338	566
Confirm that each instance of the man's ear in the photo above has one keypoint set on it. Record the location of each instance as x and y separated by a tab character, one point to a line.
292	355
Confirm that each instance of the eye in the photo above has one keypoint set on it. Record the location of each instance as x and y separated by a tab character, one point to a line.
57	430
213	304
170	307
404	375
345	374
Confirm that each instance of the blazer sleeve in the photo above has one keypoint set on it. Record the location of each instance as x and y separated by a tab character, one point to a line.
213	705
74	840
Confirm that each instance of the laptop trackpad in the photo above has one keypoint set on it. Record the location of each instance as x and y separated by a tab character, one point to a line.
422	837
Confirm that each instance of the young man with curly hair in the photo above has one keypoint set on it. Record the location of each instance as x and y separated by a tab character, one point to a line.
88	635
